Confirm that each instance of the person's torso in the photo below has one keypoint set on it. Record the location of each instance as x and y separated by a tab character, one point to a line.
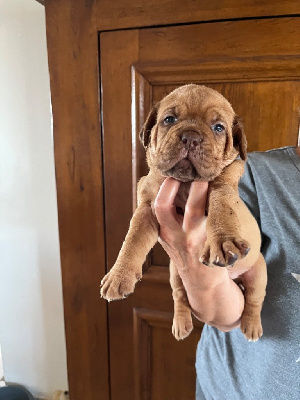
229	367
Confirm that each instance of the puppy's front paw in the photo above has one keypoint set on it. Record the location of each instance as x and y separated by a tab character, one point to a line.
251	328
182	326
223	251
117	285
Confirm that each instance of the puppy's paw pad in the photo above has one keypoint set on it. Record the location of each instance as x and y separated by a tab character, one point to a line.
182	326
251	329
234	250
242	245
117	286
224	252
104	279
212	254
138	276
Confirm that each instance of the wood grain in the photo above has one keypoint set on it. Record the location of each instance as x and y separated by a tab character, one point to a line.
117	152
194	44
73	62
140	13
162	369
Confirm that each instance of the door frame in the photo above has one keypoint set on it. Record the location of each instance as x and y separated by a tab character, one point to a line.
73	28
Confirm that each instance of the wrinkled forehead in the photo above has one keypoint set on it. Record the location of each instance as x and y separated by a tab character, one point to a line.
199	101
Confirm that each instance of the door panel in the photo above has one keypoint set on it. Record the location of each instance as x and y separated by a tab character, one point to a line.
269	110
259	74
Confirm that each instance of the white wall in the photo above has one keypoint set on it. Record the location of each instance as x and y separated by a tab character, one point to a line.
31	310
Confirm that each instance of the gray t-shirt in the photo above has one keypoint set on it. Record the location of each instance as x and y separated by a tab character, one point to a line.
228	366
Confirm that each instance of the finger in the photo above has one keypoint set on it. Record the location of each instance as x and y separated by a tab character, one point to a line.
164	203
195	206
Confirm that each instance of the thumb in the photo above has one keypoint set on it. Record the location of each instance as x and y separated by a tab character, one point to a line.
164	203
195	206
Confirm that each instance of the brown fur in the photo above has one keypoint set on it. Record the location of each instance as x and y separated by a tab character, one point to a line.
189	148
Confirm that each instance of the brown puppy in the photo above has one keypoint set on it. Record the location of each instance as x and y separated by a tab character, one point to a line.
194	134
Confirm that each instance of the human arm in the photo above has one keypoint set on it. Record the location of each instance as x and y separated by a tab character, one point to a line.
213	296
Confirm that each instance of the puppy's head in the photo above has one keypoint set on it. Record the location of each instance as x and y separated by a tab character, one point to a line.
192	134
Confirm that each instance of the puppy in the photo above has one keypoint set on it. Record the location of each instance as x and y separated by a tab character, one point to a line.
193	134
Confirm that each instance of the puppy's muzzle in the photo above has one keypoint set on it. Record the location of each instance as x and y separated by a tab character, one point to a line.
191	140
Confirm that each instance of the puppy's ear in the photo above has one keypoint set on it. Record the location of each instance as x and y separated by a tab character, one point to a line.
148	125
239	137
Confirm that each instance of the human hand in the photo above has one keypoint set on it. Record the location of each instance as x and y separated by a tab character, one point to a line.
182	237
213	296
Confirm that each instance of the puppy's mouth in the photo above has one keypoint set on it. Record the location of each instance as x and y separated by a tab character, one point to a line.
184	171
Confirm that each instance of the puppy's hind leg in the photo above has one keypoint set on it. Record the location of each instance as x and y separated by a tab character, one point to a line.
254	282
182	321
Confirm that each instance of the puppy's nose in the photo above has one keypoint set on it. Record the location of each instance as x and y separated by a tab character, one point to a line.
191	139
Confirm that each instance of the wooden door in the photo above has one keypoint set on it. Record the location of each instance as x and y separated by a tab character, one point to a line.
259	74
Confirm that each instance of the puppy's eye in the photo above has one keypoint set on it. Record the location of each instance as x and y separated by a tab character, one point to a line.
170	119
218	128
